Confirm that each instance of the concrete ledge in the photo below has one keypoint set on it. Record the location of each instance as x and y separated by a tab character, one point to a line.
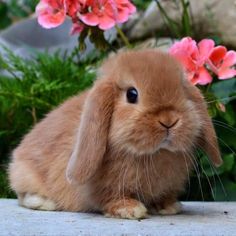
198	218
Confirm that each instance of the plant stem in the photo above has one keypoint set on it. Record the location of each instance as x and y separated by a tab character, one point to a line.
186	20
170	23
208	88
123	37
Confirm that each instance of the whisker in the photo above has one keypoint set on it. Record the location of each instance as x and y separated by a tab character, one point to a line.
146	174
218	176
140	186
120	174
221	99
198	176
232	129
212	166
123	183
219	121
195	166
136	180
189	182
222	141
208	180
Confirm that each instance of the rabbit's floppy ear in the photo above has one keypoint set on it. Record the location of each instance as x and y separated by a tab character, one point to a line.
207	140
92	134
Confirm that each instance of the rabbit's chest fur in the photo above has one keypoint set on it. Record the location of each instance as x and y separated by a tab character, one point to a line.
147	178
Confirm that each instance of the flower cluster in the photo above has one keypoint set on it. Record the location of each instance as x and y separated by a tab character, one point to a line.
202	59
102	13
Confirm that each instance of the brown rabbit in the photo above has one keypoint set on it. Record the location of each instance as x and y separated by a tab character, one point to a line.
125	147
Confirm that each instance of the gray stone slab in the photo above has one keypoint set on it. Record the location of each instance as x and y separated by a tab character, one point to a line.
198	218
27	37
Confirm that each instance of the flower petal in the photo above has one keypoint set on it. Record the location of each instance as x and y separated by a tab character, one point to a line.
203	76
73	7
90	19
49	21
188	46
76	28
217	55
123	15
226	73
205	47
127	4
229	59
132	8
48	17
187	62
106	22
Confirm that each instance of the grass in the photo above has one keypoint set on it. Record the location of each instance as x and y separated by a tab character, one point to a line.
32	88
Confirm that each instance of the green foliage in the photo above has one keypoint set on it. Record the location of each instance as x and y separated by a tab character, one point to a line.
13	10
140	4
31	89
209	183
96	36
4	186
5	19
181	27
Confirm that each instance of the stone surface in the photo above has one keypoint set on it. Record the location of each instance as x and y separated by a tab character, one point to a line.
160	43
197	218
211	17
27	37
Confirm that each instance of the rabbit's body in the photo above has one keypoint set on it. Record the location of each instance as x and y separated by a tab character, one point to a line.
43	172
120	163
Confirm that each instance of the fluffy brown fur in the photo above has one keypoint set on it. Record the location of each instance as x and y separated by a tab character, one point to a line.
97	152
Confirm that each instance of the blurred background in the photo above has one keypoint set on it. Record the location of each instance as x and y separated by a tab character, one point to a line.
40	68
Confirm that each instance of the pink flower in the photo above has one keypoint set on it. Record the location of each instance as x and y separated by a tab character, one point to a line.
73	7
124	10
51	13
106	13
76	28
221	62
102	13
193	57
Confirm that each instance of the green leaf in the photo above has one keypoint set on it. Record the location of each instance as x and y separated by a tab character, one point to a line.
4	185
225	190
233	172
186	19
35	87
229	115
224	90
228	162
170	22
5	20
226	136
96	36
82	37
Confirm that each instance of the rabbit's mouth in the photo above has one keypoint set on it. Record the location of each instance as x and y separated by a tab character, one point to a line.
152	146
167	144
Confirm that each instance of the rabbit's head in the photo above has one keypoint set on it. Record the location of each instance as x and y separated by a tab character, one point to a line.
140	104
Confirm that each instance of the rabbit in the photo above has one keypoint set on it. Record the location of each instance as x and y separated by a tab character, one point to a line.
123	148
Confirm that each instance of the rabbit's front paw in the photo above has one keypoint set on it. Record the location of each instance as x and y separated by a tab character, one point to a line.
126	209
37	202
171	209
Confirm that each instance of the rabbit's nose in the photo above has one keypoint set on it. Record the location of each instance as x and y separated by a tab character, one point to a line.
168	125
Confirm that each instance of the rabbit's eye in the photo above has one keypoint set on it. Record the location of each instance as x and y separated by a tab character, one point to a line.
132	95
